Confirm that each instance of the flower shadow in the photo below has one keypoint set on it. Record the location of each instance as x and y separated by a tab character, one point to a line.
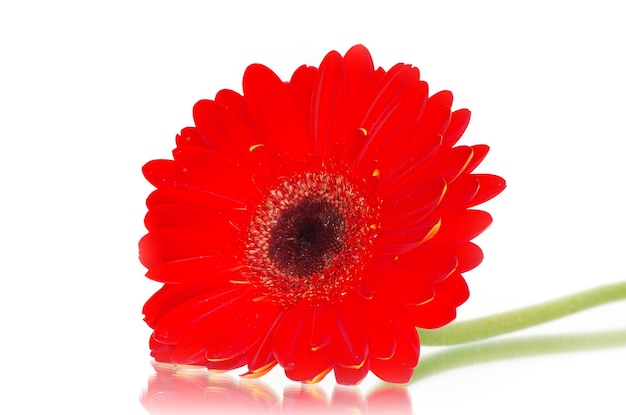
175	390
495	350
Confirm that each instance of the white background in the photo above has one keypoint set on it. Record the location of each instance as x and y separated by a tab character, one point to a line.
91	91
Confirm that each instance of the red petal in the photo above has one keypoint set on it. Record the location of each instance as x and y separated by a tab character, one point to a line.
159	303
461	227
408	163
490	187
434	314
165	175
209	117
402	128
190	136
222	226
410	204
301	87
313	369
194	354
393	122
242	333
437	115
432	125
169	296
322	326
360	78
379	328
170	244
202	315
214	172
469	256
456	288
158	197
351	376
436	263
397	124
441	310
328	105
161	352
402	284
267	166
399	369
459	194
349	347
387	88
261	358
228	364
291	339
237	122
388	372
459	120
449	164
272	110
190	354
192	270
398	241
480	152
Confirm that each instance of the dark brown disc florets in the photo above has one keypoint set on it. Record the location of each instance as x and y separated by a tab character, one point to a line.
310	238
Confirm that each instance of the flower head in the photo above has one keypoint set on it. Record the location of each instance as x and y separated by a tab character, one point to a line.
314	223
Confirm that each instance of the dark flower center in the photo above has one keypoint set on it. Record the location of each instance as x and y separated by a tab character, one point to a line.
307	237
310	238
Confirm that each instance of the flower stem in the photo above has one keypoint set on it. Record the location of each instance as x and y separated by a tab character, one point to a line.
471	354
490	326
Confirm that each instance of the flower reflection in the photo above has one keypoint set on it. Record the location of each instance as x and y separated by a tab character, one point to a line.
173	390
176	390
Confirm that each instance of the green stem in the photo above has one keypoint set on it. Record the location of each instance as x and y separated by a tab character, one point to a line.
486	327
455	357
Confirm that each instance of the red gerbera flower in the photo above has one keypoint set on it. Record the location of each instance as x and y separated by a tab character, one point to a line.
314	223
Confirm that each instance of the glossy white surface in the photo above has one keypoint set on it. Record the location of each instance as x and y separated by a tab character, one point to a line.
90	92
